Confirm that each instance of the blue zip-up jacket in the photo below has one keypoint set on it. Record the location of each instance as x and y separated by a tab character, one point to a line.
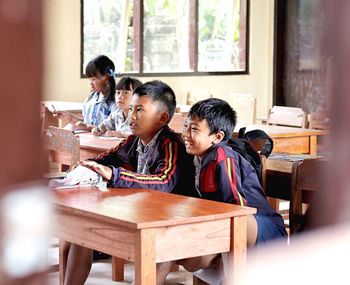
171	168
226	176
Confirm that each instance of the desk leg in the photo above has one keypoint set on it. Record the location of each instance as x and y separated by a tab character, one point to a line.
237	258
313	145
145	257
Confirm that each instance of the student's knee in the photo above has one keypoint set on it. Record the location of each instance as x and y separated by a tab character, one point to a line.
252	230
196	263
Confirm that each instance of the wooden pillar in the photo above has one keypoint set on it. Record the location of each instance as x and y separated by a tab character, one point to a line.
21	57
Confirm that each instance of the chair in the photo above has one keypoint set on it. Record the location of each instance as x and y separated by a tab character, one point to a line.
62	145
306	180
245	106
196	95
319	120
287	116
47	118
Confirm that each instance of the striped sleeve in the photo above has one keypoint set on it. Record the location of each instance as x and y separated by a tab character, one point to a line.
229	182
111	156
164	178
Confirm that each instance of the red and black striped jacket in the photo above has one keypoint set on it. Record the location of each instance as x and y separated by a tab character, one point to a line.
226	176
170	166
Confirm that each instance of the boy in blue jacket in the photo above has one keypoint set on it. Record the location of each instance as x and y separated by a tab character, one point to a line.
222	174
153	157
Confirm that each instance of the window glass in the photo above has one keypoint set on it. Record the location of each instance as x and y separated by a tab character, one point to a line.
108	30
168	39
219	35
166	36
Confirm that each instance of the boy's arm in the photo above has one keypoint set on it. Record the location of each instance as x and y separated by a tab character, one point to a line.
164	178
229	182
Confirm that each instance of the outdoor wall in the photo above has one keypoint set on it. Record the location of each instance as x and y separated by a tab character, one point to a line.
62	58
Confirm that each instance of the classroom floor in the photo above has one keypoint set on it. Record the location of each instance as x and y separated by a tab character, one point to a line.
101	273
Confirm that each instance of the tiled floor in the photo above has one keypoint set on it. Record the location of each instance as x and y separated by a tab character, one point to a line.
101	273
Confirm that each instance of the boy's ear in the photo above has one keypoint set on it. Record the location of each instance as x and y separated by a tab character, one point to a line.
163	118
218	137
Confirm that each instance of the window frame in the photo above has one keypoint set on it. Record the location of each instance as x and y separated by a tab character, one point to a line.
138	28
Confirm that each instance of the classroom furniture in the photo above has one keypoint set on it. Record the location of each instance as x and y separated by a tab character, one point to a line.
73	107
306	180
288	139
195	95
177	123
91	146
47	118
319	120
60	141
279	176
62	145
146	227
287	116
245	106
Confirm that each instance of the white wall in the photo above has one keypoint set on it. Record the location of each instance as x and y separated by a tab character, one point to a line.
62	56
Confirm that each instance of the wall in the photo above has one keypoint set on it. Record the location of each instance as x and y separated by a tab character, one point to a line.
307	63
62	55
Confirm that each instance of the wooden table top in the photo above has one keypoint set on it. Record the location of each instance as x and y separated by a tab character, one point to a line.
88	140
64	105
280	131
282	164
142	208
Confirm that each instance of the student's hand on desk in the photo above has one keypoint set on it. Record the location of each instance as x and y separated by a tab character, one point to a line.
117	134
96	132
113	134
82	126
63	115
104	171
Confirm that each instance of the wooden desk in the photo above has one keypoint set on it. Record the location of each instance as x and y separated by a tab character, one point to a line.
146	227
91	146
288	139
73	107
279	176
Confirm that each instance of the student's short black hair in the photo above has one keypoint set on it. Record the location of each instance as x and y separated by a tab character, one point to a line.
219	114
128	83
160	93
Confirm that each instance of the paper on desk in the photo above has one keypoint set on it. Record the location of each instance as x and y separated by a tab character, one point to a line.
108	137
291	157
80	175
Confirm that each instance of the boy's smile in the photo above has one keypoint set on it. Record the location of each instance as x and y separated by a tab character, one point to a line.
196	134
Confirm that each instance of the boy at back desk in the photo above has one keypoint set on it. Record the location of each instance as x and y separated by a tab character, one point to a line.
154	157
224	175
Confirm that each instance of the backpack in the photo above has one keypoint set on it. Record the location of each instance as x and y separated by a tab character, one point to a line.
244	146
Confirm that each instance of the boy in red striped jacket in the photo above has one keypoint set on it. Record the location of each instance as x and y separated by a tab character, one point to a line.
154	157
222	174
